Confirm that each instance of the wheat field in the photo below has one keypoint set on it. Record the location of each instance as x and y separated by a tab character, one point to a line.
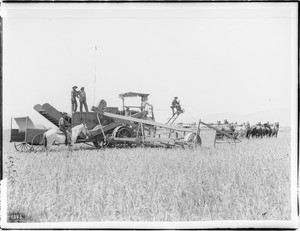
246	181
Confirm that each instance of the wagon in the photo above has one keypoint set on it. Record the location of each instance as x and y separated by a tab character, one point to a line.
27	137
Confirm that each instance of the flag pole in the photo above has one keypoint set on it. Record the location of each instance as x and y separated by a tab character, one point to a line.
95	77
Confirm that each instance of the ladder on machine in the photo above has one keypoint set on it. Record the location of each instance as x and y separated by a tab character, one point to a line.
174	117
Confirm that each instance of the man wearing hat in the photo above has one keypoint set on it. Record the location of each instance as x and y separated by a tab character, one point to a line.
74	95
82	100
176	104
64	127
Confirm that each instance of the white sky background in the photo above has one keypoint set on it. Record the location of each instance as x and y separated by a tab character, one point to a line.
225	61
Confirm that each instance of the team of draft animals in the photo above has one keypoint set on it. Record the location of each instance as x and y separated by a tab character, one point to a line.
246	130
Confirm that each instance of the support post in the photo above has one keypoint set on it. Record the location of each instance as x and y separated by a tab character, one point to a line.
197	139
138	131
143	133
215	139
26	129
10	127
104	137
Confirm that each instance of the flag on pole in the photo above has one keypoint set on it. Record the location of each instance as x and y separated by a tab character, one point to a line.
95	79
95	64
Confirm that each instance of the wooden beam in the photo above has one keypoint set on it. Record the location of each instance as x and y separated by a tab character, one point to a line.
148	122
218	130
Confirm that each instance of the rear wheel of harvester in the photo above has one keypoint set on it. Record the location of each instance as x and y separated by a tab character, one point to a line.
36	143
122	132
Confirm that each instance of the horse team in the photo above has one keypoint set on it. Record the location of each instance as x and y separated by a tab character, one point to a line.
246	130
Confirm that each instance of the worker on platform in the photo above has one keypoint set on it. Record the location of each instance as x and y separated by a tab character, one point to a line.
74	96
65	127
145	104
176	105
127	111
82	100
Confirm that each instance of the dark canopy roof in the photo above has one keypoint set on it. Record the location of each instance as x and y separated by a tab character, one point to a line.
132	94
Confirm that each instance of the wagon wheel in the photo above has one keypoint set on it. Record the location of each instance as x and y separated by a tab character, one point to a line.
36	142
22	147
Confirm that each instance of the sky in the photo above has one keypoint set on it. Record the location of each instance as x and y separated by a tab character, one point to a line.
223	61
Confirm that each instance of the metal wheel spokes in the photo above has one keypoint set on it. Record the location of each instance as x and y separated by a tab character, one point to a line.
22	147
123	133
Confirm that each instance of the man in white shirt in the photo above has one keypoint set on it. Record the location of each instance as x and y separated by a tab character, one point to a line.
82	100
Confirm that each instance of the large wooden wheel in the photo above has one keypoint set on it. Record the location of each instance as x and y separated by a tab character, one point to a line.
22	147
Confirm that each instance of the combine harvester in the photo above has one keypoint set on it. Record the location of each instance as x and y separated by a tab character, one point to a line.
134	127
131	127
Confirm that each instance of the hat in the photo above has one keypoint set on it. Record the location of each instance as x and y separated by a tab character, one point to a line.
74	87
175	97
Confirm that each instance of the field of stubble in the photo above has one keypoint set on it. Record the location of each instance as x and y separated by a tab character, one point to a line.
247	181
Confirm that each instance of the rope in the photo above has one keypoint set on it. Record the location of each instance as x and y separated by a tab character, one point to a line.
160	109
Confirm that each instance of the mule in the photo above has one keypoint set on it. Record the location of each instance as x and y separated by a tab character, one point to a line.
275	129
256	130
52	136
268	129
248	130
263	130
241	131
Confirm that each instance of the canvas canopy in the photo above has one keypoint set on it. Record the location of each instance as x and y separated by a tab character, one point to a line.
132	94
24	123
